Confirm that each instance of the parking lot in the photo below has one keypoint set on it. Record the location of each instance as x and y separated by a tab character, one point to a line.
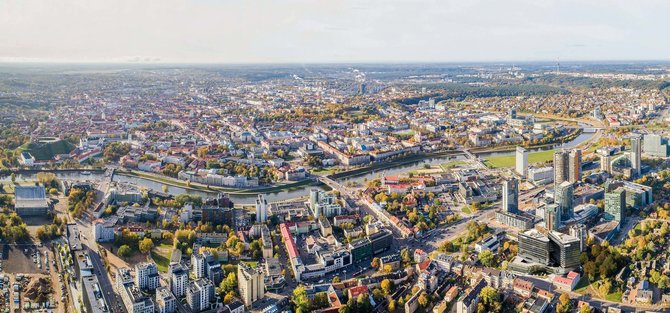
22	259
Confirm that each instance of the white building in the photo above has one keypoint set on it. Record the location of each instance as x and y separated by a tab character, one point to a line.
261	209
199	294
146	276
521	161
251	283
198	265
541	175
178	279
103	231
165	301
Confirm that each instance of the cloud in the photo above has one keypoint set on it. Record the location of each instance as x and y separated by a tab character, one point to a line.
231	31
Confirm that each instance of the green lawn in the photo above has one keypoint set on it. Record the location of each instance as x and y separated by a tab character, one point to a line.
47	150
614	297
509	160
466	210
582	285
162	261
251	264
451	164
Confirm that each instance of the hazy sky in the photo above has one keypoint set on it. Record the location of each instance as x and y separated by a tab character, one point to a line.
241	31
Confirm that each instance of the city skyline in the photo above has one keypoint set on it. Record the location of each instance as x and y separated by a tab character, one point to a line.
331	32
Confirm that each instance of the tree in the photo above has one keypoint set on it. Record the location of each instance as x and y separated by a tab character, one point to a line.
363	304
377	294
423	299
387	286
489	300
146	245
585	308
487	258
336	280
320	301
375	263
564	304
300	300
388	268
391	306
229	297
124	251
405	255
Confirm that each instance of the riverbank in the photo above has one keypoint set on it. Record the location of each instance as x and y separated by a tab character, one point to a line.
213	189
390	164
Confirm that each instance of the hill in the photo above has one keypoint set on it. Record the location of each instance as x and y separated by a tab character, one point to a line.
47	150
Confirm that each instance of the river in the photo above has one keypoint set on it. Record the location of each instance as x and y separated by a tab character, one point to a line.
293	193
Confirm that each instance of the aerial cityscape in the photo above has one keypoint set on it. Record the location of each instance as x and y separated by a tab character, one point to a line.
302	185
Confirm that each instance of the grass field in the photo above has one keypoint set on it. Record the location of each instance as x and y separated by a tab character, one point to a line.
466	209
46	151
161	255
451	164
510	160
582	285
614	297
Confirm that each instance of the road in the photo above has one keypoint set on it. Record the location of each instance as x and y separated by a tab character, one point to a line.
112	299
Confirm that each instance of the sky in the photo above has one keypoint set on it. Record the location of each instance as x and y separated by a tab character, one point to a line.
332	31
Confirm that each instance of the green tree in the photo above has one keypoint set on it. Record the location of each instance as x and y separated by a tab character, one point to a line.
387	286
300	300
146	245
320	301
487	258
489	300
564	304
423	299
391	306
124	251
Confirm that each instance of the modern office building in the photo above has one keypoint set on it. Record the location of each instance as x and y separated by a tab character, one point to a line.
655	145
579	231
564	196
323	203
510	193
517	220
261	209
565	250
541	175
561	167
553	250
534	246
575	166
146	276
251	283
552	217
615	205
178	279
521	161
199	294
165	301
636	154
605	163
637	195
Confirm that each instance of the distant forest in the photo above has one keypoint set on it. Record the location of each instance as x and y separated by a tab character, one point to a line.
588	82
454	91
